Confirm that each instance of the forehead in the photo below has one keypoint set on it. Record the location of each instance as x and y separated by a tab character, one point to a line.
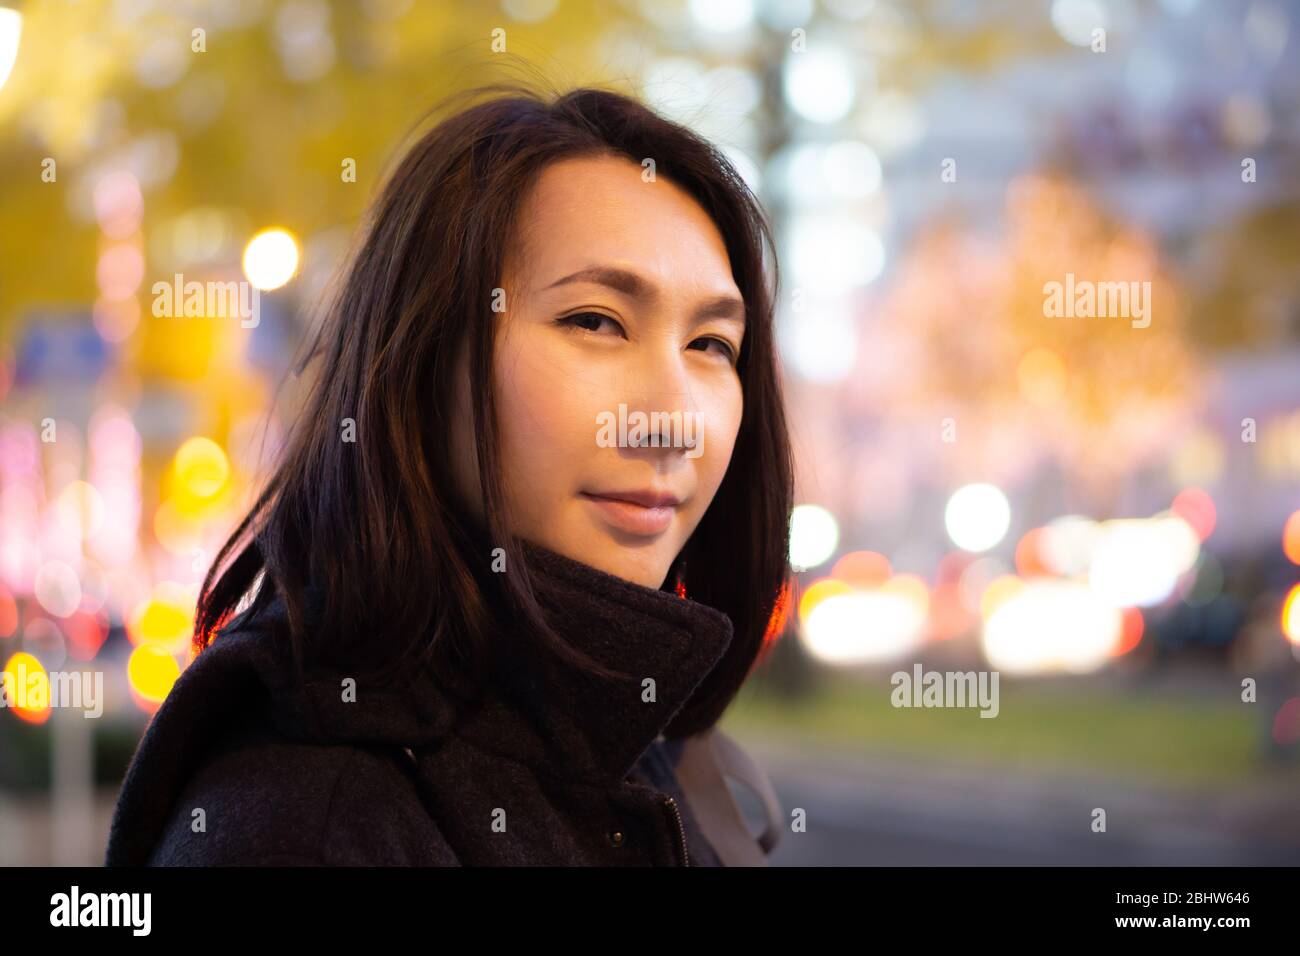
599	209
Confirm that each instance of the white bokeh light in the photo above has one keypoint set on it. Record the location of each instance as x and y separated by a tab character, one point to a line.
819	84
1067	544
270	259
820	342
1138	561
1075	20
814	535
832	252
1052	626
722	16
851	169
977	517
11	31
57	588
864	627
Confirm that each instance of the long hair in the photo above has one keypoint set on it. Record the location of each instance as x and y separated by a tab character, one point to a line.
373	527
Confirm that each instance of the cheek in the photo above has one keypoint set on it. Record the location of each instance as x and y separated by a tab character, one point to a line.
722	408
547	412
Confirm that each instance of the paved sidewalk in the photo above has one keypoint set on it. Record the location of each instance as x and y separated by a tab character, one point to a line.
27	831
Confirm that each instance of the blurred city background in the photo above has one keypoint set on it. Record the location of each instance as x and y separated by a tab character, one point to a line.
1105	510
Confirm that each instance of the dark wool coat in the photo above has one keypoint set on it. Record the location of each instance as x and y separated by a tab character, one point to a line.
235	769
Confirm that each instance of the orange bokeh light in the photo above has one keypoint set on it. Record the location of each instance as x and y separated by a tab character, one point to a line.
26	688
862	569
1131	629
1029	555
1291	537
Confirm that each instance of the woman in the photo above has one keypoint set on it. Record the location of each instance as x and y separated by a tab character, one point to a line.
470	640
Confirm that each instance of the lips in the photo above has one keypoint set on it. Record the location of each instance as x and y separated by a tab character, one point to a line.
646	499
641	513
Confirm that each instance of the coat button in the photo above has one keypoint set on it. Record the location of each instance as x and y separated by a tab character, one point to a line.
616	837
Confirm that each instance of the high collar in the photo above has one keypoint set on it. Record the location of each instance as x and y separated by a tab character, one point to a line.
538	709
554	713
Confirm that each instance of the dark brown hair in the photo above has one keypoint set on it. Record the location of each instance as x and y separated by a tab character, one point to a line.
373	527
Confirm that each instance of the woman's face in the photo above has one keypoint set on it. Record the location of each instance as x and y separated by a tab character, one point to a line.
620	311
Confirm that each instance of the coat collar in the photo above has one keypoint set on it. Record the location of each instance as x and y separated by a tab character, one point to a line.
552	712
538	709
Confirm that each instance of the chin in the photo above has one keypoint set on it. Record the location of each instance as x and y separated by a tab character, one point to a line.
645	563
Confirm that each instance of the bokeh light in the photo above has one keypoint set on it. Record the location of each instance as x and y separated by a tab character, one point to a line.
1291	615
819	84
814	535
27	688
1196	508
1291	537
151	672
201	467
1139	561
1052	627
271	259
11	30
977	517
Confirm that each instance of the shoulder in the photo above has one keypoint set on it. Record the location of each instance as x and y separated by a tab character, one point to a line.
261	800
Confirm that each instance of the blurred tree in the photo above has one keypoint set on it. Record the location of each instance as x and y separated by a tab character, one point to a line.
1102	395
253	127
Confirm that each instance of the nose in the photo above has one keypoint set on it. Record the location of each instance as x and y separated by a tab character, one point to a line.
664	418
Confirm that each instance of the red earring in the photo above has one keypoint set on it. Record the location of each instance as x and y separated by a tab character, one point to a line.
681	580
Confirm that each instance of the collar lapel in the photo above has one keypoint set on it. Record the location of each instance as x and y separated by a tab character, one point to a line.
537	708
554	714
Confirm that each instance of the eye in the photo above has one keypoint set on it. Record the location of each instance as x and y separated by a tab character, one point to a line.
587	321
724	345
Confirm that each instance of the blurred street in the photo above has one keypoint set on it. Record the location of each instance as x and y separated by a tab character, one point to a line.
877	810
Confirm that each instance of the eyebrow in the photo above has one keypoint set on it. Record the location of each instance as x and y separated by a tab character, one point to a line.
635	286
